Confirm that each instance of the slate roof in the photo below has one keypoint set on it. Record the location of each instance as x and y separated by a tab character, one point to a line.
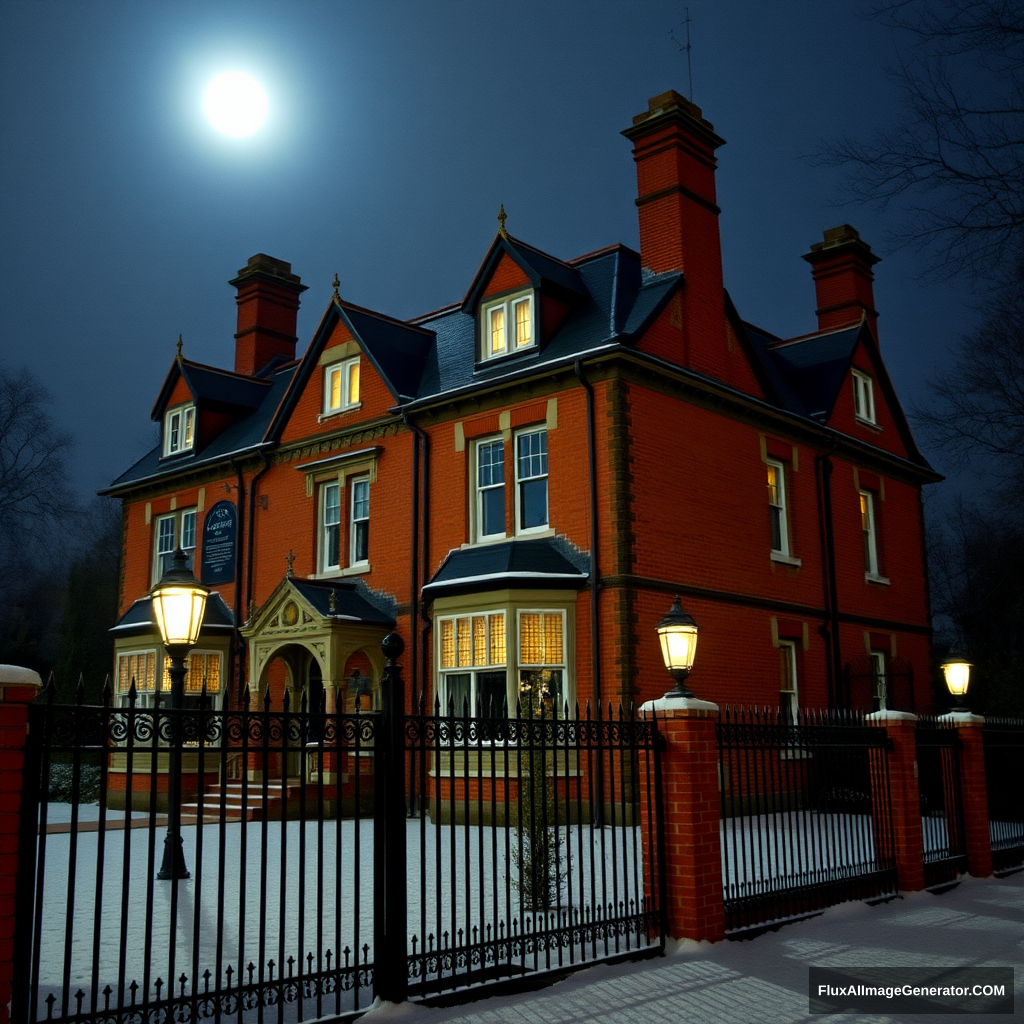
139	617
211	385
247	434
349	601
541	562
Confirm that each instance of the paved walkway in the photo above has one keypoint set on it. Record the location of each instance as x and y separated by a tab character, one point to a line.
764	980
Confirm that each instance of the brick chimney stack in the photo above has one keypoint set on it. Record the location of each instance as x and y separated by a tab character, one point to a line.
841	266
268	306
674	149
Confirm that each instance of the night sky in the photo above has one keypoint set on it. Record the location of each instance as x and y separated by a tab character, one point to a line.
395	130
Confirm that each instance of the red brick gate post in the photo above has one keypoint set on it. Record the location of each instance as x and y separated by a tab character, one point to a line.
973	791
18	688
905	797
694	901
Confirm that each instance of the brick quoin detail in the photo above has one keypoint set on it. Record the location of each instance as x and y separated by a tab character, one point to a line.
694	902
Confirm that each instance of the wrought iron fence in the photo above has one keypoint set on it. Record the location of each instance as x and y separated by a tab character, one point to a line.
1004	767
942	811
530	828
806	814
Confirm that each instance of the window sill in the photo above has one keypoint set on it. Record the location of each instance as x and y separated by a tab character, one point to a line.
870	577
870	424
545	531
484	541
778	556
339	412
349	570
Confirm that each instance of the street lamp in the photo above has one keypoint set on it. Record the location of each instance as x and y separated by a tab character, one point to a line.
179	601
678	635
957	672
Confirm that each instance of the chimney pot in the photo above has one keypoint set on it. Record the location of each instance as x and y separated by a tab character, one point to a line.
268	306
843	279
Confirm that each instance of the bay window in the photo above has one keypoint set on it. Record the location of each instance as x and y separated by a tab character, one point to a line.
473	674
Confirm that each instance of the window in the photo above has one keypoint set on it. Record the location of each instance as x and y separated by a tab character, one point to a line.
532	481
341	386
472	665
179	429
178	529
490	489
879	687
359	516
330	527
869	533
203	666
777	507
140	666
542	662
507	326
863	397
788	683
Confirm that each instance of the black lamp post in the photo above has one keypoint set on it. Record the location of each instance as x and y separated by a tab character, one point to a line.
179	601
678	635
957	672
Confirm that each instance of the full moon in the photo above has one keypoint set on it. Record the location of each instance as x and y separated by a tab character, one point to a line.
235	103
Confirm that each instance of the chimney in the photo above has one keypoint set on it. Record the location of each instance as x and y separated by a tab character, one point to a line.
268	305
841	267
674	149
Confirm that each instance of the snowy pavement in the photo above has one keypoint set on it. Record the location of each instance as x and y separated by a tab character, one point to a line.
764	980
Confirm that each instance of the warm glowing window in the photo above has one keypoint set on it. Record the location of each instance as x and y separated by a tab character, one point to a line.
472	662
203	667
542	663
507	326
341	386
139	668
777	507
180	430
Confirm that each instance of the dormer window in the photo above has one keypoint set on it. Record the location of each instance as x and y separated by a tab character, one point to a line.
507	326
341	386
180	429
863	397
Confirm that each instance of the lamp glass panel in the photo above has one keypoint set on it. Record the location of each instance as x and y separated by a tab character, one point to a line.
957	675
678	646
179	613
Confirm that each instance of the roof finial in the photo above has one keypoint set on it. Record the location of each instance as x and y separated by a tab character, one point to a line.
289	558
179	356
337	285
502	217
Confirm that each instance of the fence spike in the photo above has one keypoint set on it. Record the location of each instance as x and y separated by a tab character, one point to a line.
287	699
108	691
303	702
51	689
80	690
266	698
246	697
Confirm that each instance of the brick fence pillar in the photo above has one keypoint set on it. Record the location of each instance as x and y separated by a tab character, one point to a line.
973	791
694	901
905	798
18	688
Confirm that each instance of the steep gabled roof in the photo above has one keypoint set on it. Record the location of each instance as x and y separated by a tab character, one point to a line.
212	385
246	435
538	266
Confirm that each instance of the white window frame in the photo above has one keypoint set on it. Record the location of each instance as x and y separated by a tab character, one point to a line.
343	370
353	522
547	665
789	700
177	536
479	489
473	669
179	429
520	480
510	305
780	506
145	688
324	528
863	397
869	532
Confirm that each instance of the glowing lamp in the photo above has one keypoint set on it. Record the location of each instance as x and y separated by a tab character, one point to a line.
179	601
957	672
678	635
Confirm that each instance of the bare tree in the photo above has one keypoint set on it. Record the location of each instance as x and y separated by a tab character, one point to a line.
35	500
953	158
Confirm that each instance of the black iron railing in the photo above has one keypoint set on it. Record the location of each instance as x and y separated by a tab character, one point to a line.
1004	768
806	814
942	811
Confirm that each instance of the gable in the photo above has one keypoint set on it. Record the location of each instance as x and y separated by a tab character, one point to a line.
507	275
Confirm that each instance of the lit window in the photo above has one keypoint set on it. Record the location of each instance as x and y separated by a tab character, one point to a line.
177	529
867	526
138	667
179	429
490	489
330	527
472	663
341	386
359	532
542	662
788	683
507	326
863	397
777	507
532	481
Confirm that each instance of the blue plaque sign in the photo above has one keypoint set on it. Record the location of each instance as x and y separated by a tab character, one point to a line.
219	538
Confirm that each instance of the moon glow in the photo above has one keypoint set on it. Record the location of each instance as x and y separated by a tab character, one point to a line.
235	103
